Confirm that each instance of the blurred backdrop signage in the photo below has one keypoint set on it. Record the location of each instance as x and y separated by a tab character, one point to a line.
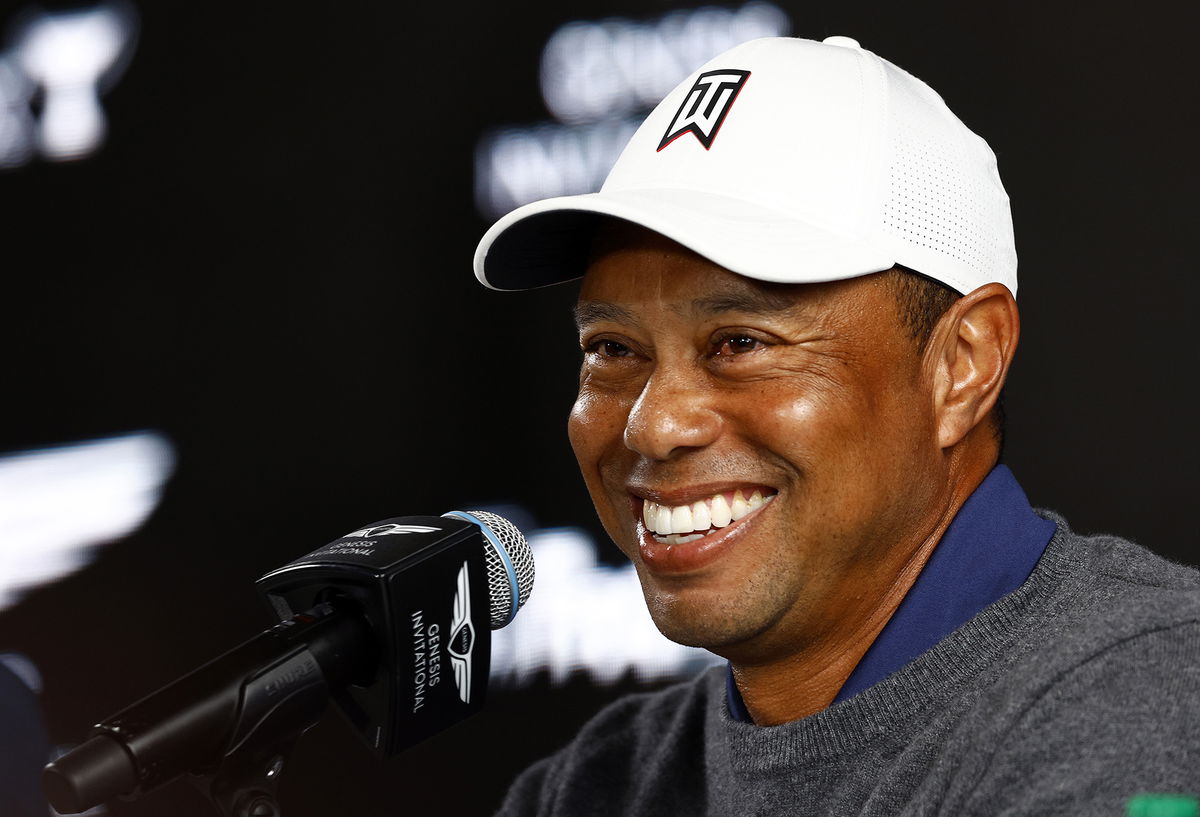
598	80
58	504
53	71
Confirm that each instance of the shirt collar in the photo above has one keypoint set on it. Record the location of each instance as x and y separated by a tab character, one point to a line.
988	551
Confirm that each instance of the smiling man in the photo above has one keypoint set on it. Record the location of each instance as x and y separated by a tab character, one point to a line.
755	449
797	314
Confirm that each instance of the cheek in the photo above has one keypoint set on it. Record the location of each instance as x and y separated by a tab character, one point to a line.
833	436
854	447
796	423
790	414
596	428
594	425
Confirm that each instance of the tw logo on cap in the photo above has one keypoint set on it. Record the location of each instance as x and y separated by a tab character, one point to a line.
706	106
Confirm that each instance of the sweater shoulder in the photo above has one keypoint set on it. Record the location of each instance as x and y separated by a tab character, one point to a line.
639	722
626	759
1122	581
1101	704
1126	618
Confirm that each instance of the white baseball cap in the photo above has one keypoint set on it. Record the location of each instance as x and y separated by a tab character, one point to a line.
791	161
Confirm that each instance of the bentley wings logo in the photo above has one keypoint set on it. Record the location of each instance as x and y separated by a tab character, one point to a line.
706	106
462	637
384	530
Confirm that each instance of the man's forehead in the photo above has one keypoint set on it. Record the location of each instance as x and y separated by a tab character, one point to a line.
727	295
630	265
631	268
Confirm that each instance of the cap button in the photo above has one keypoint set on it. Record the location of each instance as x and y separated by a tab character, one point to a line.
844	42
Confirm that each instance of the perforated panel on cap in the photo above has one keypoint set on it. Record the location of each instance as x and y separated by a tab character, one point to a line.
945	192
834	163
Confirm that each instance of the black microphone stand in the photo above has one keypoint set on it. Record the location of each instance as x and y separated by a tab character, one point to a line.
246	782
247	786
229	726
289	698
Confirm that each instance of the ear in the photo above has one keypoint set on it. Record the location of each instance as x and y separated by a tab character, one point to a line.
971	349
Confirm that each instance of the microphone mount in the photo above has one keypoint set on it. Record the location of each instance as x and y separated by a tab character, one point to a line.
396	630
246	708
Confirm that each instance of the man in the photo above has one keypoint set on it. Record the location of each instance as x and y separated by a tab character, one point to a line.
797	314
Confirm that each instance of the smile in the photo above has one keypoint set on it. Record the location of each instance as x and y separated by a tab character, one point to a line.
680	524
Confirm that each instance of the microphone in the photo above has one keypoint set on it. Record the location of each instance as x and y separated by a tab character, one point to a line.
393	621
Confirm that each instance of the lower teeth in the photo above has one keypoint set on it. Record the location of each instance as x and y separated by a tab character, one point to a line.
679	539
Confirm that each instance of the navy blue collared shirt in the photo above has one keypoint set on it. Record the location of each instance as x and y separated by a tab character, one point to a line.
988	551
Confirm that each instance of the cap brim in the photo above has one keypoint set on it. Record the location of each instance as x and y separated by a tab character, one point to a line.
547	242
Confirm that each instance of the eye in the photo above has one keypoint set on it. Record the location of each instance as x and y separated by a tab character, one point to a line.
607	348
736	343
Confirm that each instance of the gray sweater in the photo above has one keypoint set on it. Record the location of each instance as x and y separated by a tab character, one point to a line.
1069	696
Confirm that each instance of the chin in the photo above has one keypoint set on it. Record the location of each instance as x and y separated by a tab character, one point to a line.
700	622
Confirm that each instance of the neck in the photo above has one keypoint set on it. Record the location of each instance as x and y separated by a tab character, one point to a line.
789	684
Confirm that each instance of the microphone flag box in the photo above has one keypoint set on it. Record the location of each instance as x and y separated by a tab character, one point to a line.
421	583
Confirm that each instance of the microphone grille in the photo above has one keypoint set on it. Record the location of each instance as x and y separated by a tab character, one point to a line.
509	561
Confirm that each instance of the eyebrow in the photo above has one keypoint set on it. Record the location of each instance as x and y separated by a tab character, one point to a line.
757	301
587	312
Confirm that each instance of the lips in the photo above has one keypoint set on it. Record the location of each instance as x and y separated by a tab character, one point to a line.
679	538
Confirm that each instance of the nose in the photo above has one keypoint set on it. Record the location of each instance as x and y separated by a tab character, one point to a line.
673	414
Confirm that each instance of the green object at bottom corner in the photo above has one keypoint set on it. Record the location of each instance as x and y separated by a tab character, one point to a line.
1162	805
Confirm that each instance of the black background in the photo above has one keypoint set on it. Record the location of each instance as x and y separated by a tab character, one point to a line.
269	261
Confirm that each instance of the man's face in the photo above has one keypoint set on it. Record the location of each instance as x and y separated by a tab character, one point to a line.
792	422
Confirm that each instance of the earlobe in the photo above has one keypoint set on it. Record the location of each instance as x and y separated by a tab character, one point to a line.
970	353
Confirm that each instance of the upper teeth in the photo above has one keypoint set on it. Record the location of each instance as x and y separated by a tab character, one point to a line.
714	512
